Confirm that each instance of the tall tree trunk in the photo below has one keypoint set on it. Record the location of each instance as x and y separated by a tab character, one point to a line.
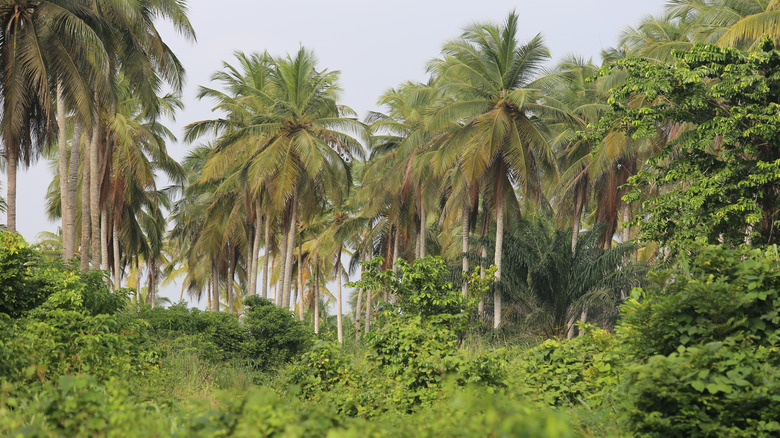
575	227
104	240
498	253
289	253
68	240
115	238
279	291
12	165
300	280
421	235
230	279
86	219
358	312
339	315
294	297
481	304
266	256
209	305
256	251
316	296
215	287
465	245
152	292
73	184
94	193
583	319
396	255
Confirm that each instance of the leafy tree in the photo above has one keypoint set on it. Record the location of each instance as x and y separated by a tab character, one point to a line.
722	172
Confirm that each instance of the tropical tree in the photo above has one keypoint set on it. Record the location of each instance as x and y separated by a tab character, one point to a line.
498	139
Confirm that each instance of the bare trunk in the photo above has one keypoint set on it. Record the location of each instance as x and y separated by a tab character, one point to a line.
583	319
481	304
104	240
86	220
266	256
209	305
215	287
289	253
339	316
256	251
279	290
117	271
62	160
12	164
231	275
73	184
294	297
300	280
465	246
151	294
575	227
396	255
358	313
367	324
497	257
94	193
570	327
316	297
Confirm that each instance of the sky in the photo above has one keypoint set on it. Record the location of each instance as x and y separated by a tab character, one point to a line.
376	45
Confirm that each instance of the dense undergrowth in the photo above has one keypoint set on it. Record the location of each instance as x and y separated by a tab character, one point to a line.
694	355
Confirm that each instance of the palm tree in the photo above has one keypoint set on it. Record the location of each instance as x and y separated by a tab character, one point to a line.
730	23
497	139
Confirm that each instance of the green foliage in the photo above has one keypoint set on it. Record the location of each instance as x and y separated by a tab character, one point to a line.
274	334
321	368
582	370
715	389
19	291
723	171
715	294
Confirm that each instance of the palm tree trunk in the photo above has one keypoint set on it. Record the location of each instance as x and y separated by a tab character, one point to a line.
498	254
279	292
575	227
421	235
339	315
583	319
115	238
68	241
316	296
266	256
12	164
94	193
86	220
481	304
104	240
294	297
358	312
289	253
215	287
300	280
465	246
231	275
73	183
367	324
256	251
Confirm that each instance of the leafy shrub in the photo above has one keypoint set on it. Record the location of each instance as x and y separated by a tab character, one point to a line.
717	293
19	292
274	334
583	369
321	368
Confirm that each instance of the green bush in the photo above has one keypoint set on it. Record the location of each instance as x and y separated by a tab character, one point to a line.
274	334
19	290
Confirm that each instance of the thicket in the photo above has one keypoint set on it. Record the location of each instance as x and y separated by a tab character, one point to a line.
695	354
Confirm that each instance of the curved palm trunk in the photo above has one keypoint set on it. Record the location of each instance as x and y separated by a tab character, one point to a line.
266	256
12	164
68	241
498	253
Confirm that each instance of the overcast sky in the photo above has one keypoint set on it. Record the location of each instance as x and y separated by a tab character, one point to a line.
375	45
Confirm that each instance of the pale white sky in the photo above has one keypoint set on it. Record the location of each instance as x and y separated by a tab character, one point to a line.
375	44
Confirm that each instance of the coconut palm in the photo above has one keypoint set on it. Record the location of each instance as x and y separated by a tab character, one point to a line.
489	74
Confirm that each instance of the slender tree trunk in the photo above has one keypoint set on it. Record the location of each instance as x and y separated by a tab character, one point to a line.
367	324
290	252
115	238
152	292
465	246
358	313
575	227
481	304
266	256
583	319
209	305
256	250
396	255
104	240
279	291
300	280
12	164
339	315
94	193
68	240
294	297
231	276
86	219
316	296
498	254
73	184
215	287
421	235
